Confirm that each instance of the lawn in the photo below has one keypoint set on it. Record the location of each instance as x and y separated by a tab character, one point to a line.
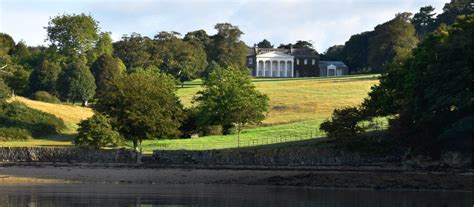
297	107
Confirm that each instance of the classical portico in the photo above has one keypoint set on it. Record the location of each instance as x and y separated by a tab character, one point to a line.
274	64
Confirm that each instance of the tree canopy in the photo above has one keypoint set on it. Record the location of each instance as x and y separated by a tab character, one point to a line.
105	69
227	49
265	44
229	99
143	105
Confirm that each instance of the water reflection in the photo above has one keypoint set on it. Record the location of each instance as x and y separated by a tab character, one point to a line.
218	195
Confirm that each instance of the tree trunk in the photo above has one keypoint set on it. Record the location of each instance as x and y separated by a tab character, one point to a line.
238	135
139	153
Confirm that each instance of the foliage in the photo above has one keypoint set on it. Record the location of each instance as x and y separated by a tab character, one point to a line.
103	46
73	34
6	43
335	52
77	83
44	97
356	51
183	60
227	49
392	42
230	98
45	77
265	44
143	105
344	123
423	20
97	132
105	69
213	66
11	133
133	50
199	36
4	91
37	123
451	11
432	90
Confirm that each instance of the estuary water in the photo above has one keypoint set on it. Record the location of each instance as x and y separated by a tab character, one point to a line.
46	195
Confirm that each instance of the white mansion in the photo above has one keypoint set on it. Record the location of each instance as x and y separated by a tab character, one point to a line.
270	62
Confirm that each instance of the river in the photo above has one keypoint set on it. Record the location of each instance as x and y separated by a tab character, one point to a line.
46	195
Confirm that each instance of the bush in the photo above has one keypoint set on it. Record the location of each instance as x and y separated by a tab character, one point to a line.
44	97
97	132
4	90
37	123
344	123
14	134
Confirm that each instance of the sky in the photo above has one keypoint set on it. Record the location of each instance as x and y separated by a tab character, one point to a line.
324	22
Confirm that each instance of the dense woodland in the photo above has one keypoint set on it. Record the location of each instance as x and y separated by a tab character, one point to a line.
425	59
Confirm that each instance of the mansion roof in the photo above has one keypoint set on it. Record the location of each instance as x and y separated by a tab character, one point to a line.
338	64
298	52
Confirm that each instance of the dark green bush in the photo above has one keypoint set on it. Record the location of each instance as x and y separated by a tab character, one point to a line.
44	97
37	123
344	123
97	132
14	134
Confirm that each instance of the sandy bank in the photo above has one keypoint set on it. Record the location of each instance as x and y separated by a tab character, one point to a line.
378	179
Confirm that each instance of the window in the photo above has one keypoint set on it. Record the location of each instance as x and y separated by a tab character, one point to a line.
313	61
305	61
250	61
297	61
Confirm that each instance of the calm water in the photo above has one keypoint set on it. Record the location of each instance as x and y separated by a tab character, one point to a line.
219	195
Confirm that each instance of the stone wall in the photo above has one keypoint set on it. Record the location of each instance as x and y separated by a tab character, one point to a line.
66	154
274	157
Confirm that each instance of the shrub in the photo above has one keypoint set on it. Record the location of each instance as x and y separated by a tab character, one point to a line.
97	132
4	90
44	97
14	134
18	115
344	123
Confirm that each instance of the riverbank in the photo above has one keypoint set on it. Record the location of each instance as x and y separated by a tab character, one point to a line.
349	177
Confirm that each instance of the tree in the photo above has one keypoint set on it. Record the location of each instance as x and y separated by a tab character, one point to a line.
451	11
356	51
143	105
133	50
423	20
76	82
335	52
201	37
432	90
265	44
97	132
103	46
4	91
391	42
45	76
303	44
344	123
105	69
183	60
227	49
229	99
73	34
6	44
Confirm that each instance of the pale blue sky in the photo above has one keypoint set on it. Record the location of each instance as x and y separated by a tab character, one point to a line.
324	22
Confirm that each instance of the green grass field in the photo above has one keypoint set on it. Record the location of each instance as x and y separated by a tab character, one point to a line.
297	107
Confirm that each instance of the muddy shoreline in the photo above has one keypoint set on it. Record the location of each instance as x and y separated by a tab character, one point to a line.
367	177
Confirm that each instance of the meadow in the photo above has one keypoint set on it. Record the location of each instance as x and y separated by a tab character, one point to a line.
297	107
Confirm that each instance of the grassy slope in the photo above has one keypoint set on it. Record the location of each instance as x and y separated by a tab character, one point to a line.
69	113
297	105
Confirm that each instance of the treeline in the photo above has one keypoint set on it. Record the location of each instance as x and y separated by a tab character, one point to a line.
428	96
81	60
392	42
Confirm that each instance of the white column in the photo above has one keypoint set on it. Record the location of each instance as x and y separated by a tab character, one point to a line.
286	69
279	68
263	71
291	69
271	68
